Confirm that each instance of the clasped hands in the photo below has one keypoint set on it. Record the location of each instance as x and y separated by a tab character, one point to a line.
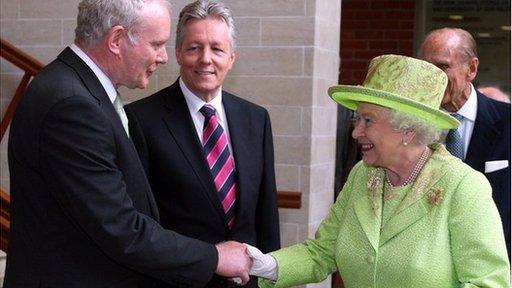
237	261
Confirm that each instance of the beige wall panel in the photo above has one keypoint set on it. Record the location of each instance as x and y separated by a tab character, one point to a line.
268	61
288	31
327	35
262	8
324	121
68	31
285	120
319	205
290	234
321	96
326	64
50	9
329	10
293	150
323	149
32	32
248	31
287	177
293	91
9	9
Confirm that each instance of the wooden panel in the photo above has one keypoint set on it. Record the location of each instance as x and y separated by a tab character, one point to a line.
288	199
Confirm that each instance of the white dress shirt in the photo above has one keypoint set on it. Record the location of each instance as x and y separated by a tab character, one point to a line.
195	103
468	110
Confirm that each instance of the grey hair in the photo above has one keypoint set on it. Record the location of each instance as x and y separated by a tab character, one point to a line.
203	9
426	133
466	46
96	17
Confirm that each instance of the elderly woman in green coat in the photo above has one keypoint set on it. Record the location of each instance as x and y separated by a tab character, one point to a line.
410	214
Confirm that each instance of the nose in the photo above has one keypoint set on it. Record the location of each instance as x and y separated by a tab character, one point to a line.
358	129
205	56
162	57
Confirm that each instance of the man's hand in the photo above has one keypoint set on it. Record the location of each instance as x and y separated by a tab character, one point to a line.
233	261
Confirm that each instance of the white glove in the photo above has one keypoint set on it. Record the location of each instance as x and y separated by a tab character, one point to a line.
263	265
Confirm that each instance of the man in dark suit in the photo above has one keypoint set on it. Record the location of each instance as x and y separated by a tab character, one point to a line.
173	135
83	213
485	123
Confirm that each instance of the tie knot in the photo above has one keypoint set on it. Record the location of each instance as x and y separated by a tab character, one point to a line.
208	111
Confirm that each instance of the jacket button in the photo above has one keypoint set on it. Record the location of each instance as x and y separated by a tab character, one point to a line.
370	259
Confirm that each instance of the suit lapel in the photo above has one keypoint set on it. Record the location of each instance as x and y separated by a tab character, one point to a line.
97	91
369	219
238	122
484	135
368	208
181	127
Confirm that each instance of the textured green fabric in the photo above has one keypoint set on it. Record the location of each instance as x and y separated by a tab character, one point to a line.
402	83
446	232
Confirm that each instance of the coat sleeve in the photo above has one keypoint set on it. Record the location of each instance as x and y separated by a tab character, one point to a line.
267	215
476	237
313	260
78	149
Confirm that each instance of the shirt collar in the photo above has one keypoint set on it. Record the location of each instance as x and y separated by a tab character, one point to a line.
195	103
468	110
104	80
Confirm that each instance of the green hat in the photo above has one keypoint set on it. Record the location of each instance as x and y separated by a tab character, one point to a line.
401	83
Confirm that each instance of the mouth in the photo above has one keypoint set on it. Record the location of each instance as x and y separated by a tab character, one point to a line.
365	147
205	73
150	72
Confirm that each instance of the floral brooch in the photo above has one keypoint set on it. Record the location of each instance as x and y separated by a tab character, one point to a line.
435	197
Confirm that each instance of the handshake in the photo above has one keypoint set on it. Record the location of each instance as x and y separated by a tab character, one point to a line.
237	261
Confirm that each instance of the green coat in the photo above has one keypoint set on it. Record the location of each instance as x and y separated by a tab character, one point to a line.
446	232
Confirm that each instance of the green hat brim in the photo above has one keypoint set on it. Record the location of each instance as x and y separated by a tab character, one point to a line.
349	96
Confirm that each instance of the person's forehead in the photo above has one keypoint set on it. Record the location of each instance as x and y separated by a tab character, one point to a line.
368	108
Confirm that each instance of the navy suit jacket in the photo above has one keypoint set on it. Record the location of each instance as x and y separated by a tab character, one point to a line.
172	154
83	214
490	141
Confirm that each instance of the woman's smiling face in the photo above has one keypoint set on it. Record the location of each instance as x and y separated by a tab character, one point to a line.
381	145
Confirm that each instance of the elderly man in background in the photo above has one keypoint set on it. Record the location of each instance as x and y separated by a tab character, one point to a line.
83	213
208	154
483	138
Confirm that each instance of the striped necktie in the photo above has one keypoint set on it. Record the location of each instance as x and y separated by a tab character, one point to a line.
220	161
455	140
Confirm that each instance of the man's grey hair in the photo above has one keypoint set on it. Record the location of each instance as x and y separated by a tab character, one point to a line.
466	46
426	133
96	17
203	9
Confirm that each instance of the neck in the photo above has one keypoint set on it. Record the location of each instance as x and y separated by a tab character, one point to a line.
403	173
102	60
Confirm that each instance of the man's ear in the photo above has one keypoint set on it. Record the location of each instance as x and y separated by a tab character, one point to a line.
177	54
232	58
472	69
115	37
